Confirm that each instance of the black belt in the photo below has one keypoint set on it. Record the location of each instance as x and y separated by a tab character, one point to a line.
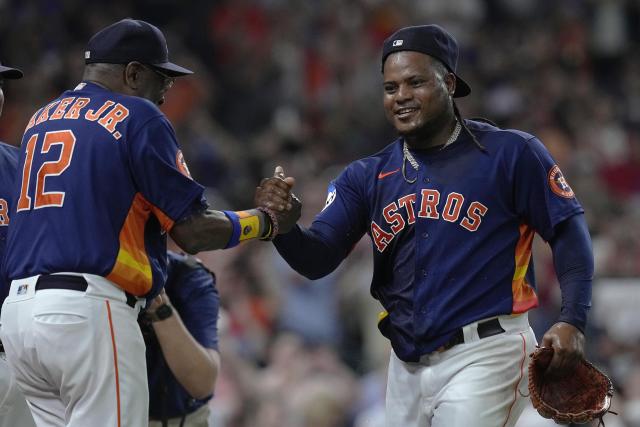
72	283
486	329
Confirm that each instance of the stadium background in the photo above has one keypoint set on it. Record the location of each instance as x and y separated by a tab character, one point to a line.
298	83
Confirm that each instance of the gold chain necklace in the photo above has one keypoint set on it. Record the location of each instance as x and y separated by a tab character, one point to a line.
407	156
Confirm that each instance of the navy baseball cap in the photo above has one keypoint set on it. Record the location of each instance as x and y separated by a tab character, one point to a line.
132	40
10	73
431	40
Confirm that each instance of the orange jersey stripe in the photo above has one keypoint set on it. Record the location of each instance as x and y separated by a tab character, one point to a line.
524	297
165	222
132	269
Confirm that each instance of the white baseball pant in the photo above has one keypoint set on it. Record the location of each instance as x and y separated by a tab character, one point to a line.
480	383
14	411
78	357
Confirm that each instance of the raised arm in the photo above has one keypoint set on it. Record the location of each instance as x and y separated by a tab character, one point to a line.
318	250
210	229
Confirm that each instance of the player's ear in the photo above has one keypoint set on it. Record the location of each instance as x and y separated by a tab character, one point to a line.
450	81
133	75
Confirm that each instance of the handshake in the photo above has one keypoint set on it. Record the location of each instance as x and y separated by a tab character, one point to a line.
275	197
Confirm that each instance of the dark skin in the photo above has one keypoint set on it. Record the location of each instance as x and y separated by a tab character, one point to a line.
568	348
209	229
271	194
418	102
417	98
134	79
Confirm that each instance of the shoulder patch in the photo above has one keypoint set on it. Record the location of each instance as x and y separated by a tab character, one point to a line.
331	196
559	184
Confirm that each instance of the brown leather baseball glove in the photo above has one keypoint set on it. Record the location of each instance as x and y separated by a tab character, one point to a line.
578	398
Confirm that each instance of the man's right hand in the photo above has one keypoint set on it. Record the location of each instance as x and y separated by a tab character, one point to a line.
275	193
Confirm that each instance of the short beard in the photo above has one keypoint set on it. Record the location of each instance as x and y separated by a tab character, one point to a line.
422	136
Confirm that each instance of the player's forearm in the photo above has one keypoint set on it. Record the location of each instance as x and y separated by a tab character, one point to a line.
307	253
194	366
573	261
209	230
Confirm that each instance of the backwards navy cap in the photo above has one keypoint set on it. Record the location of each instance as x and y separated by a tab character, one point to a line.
132	40
10	73
431	40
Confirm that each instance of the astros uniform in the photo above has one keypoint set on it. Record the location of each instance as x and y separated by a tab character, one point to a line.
192	291
101	181
13	407
452	266
8	168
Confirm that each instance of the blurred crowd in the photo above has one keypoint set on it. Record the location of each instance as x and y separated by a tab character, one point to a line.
298	83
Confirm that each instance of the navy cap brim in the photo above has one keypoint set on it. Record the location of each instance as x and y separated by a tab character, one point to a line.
10	73
172	69
462	88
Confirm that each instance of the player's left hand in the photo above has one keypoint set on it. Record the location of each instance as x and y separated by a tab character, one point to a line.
568	348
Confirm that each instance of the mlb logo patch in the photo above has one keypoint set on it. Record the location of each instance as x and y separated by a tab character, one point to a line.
397	43
22	289
331	195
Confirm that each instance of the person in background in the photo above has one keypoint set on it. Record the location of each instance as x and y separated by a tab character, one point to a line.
181	335
13	407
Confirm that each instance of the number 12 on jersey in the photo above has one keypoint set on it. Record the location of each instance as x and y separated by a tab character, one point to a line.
45	199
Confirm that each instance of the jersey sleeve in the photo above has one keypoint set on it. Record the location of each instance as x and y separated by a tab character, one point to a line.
317	251
543	196
161	174
342	220
199	303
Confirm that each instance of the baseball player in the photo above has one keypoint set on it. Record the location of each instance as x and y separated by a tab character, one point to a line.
13	407
180	330
101	182
451	208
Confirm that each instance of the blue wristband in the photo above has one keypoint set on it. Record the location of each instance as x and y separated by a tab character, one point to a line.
234	240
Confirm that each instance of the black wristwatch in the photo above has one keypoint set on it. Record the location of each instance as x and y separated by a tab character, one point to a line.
163	312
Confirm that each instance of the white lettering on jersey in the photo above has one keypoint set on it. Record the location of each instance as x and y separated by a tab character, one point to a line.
432	207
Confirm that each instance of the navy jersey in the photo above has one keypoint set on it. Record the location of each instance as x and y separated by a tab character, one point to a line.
192	291
8	168
102	180
454	246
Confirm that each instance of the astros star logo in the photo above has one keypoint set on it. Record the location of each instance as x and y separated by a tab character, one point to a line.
559	184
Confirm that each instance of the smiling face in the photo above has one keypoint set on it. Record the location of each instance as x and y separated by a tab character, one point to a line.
417	94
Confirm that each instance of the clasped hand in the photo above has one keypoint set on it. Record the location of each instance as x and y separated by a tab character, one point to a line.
275	193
